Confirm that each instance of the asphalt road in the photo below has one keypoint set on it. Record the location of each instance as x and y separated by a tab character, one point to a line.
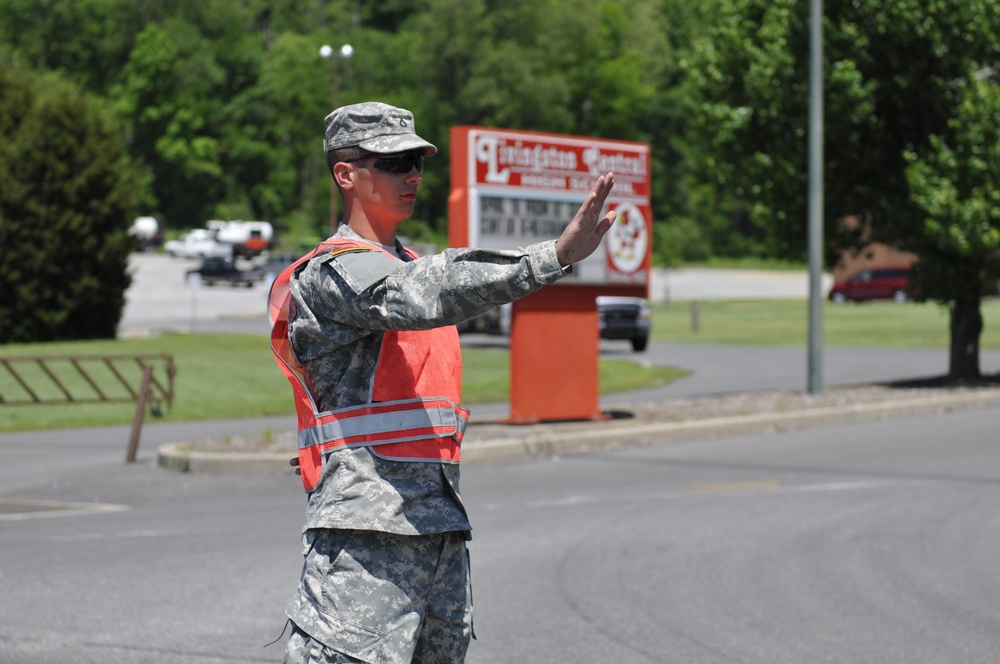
870	542
864	543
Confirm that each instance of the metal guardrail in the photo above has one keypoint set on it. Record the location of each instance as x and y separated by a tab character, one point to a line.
65	379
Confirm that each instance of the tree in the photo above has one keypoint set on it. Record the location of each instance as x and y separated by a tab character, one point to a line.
565	66
223	101
168	103
67	197
891	69
686	207
87	40
270	153
955	181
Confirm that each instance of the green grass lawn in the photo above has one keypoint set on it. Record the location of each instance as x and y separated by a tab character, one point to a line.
785	323
224	376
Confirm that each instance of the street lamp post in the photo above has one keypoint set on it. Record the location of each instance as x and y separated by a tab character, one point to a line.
345	52
815	221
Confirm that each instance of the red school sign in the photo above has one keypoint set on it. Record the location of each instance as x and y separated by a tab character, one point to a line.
510	189
514	188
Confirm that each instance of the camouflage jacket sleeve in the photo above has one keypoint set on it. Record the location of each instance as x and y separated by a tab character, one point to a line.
340	298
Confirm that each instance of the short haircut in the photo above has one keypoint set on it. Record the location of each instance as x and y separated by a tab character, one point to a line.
349	153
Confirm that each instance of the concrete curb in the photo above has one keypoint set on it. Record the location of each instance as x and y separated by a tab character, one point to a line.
531	441
180	457
597	438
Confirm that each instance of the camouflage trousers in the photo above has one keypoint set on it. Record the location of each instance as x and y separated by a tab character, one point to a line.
381	598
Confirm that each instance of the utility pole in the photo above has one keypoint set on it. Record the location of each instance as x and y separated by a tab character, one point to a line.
816	198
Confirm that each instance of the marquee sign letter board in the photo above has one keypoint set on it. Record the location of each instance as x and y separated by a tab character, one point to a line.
510	189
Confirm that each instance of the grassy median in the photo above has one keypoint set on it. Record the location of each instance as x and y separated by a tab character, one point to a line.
785	323
223	376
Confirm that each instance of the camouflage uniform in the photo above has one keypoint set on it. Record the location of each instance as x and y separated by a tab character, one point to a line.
379	584
340	305
386	575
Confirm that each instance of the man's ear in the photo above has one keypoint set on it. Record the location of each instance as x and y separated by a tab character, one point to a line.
343	174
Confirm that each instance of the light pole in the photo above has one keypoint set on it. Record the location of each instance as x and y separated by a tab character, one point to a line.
815	221
345	52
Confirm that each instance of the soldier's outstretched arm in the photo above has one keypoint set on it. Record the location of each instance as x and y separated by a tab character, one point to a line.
584	233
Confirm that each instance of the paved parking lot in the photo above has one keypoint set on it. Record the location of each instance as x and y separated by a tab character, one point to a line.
160	300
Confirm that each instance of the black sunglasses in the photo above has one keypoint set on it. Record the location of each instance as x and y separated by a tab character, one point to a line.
400	163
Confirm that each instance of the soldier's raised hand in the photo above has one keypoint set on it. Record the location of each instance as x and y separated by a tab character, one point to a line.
588	227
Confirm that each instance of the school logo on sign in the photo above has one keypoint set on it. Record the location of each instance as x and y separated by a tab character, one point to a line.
628	240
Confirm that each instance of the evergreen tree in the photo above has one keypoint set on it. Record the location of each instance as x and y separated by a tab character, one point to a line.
65	205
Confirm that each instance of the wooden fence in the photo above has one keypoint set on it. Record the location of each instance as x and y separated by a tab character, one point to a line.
81	379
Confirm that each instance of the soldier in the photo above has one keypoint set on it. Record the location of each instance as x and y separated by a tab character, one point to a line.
364	331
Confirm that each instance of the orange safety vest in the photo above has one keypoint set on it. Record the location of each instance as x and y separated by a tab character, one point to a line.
413	415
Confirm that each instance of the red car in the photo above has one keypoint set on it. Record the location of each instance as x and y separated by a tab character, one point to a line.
877	283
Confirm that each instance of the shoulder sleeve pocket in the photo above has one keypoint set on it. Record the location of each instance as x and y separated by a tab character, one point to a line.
361	269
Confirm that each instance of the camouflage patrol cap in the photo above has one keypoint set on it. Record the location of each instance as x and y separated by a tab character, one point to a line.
375	127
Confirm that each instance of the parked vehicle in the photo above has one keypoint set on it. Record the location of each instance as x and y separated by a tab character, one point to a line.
617	318
625	318
882	283
220	270
145	231
270	268
199	243
248	238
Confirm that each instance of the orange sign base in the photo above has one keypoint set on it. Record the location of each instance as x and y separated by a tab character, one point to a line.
554	357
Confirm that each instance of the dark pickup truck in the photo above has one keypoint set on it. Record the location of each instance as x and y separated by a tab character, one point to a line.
625	318
617	318
270	268
221	270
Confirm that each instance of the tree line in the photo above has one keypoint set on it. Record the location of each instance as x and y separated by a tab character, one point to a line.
222	102
217	109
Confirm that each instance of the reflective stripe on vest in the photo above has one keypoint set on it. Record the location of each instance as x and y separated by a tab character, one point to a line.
391	422
426	428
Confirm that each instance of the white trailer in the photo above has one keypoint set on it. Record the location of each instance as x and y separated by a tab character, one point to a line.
248	238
